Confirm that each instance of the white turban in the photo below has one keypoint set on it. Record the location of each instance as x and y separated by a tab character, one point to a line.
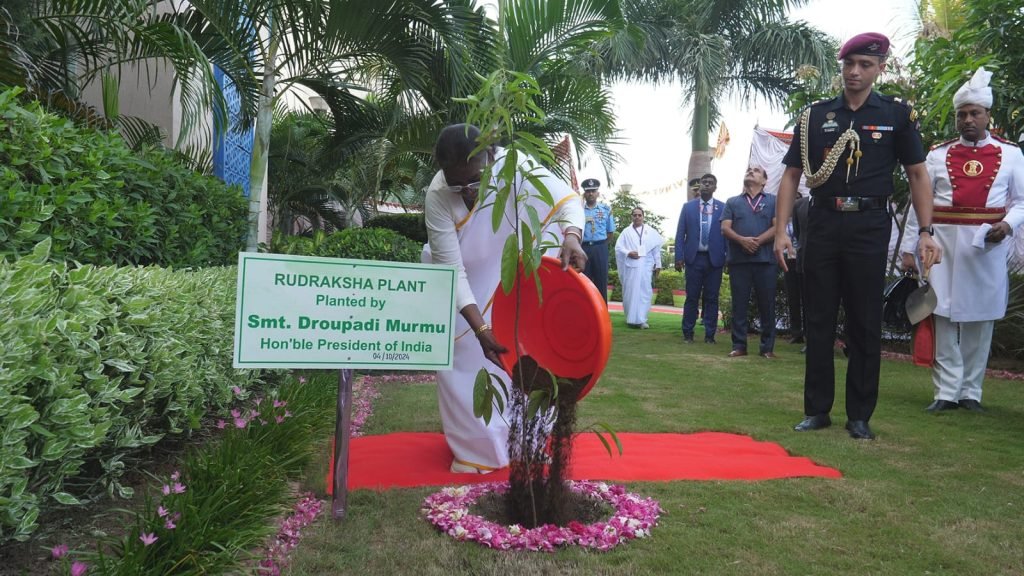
975	90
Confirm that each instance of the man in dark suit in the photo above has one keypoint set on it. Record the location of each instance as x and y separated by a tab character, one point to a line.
701	248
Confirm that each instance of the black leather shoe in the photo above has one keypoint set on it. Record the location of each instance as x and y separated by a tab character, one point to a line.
816	422
688	339
859	430
798	339
943	405
972	405
709	341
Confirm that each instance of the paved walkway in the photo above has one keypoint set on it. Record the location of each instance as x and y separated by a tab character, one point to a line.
617	307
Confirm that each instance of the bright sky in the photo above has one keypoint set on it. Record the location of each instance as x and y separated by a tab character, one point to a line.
655	126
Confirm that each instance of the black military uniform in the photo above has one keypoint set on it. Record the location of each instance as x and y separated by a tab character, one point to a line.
847	242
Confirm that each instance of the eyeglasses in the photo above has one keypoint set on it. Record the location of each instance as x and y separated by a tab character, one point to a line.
472	187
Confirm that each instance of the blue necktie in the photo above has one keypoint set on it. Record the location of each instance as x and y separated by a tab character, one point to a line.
705	225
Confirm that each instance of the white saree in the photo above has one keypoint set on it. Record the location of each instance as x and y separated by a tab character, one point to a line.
464	238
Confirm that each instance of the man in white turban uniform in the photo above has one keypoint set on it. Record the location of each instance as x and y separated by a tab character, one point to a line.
638	258
978	182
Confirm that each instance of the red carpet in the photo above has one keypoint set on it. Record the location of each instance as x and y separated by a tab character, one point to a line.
407	459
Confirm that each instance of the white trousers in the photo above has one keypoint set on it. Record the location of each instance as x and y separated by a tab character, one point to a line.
961	355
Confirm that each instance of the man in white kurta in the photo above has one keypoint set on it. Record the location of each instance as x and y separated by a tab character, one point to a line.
460	233
638	258
978	182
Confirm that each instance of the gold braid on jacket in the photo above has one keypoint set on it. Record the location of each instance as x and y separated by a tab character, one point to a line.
849	139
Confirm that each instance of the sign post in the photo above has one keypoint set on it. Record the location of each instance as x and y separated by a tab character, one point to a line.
325	313
342	435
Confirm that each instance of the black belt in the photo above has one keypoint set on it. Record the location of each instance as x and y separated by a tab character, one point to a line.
595	242
851	203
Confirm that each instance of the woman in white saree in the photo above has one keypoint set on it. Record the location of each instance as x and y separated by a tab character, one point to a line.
460	234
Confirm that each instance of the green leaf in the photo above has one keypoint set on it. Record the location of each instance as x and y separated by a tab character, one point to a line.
66	499
41	251
529	264
19	463
42	431
509	263
611	432
540	401
501	383
533	218
607	446
122	365
481	405
21	417
496	397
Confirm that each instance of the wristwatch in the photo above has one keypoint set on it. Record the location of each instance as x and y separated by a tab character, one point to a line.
928	229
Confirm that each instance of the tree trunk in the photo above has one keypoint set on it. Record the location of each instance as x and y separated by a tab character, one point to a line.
261	140
700	154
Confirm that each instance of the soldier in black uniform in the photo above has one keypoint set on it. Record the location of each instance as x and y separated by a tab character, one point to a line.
848	147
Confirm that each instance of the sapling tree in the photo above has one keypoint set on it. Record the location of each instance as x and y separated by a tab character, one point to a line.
539	403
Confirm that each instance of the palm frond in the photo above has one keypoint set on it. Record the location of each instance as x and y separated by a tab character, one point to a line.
538	31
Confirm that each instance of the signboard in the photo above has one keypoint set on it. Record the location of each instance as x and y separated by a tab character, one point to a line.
311	312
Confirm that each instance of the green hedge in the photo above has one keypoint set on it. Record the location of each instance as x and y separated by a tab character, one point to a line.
667	281
355	243
102	203
412	226
97	363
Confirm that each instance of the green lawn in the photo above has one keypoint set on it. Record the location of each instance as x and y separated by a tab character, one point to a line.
932	495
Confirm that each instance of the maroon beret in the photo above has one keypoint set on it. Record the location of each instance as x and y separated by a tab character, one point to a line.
868	43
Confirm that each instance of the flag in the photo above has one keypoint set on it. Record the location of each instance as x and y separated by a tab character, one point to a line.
723	140
563	155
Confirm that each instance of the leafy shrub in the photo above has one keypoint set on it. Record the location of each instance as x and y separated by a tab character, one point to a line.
98	363
101	203
222	510
355	243
1008	334
412	226
668	280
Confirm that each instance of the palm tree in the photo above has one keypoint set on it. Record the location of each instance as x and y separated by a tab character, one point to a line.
551	40
716	49
389	71
394	125
263	46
